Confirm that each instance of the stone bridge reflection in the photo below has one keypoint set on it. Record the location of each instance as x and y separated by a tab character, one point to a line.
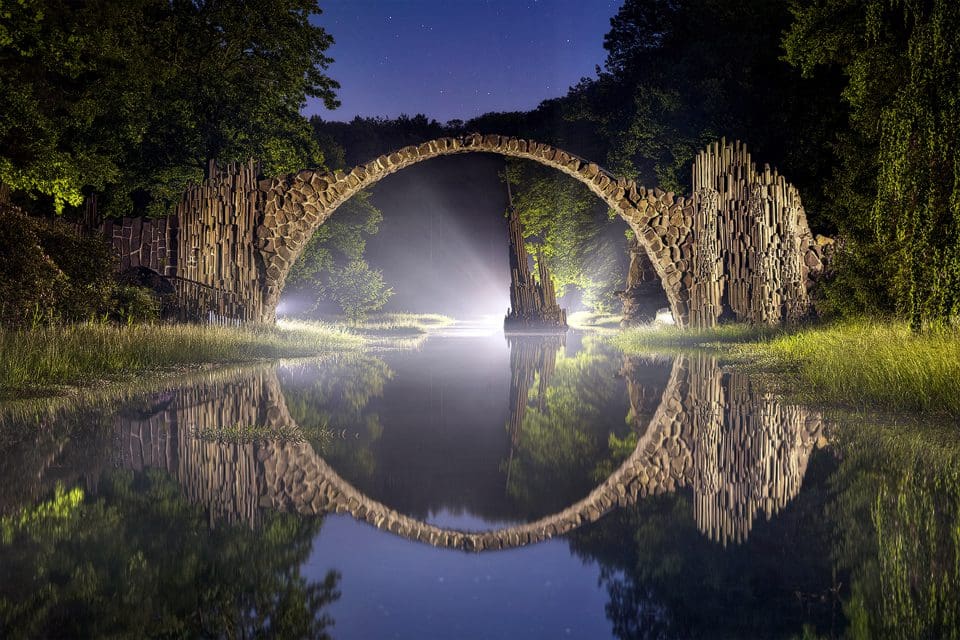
740	450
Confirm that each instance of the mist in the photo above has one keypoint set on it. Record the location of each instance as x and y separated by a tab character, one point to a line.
443	242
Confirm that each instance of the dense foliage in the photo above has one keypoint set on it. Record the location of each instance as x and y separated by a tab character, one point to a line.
897	185
50	272
131	99
681	74
91	566
336	243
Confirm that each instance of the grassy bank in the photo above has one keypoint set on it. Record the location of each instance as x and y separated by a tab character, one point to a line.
862	364
37	361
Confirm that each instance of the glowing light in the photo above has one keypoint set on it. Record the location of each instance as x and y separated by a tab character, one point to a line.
664	316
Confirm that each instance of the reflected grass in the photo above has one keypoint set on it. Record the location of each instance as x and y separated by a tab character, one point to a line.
863	363
39	361
249	433
389	323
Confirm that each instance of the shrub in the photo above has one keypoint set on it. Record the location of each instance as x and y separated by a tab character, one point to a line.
134	304
50	272
357	289
29	279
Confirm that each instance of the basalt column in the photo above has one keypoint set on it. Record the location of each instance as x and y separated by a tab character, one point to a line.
533	304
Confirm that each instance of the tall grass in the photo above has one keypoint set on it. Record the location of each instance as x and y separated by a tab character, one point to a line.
654	337
32	361
872	364
866	364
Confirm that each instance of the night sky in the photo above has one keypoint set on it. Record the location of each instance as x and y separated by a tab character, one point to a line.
459	58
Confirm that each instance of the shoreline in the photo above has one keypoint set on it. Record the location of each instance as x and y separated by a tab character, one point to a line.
865	365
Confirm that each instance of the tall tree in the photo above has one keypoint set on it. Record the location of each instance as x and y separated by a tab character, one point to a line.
132	98
682	73
898	168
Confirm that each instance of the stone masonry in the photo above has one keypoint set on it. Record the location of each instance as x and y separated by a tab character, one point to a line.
738	247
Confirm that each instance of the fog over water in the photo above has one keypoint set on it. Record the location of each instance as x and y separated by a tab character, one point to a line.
442	245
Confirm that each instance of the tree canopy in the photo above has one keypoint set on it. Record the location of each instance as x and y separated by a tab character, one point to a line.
897	185
131	99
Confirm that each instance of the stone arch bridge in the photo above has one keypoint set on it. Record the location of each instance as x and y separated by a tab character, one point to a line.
742	452
737	246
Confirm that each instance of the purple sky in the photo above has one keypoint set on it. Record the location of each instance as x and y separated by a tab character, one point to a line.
459	58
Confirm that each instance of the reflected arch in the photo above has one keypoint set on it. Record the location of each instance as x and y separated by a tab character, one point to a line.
741	451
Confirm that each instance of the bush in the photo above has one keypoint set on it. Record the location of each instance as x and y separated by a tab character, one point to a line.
29	279
134	304
357	289
49	272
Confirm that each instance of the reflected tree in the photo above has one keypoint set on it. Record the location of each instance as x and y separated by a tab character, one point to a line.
897	519
665	579
138	558
564	434
330	402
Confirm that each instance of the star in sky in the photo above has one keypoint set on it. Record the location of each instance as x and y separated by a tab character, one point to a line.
458	58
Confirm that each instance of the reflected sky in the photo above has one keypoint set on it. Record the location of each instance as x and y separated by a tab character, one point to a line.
393	589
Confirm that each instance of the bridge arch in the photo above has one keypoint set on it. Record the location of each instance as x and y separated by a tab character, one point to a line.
297	204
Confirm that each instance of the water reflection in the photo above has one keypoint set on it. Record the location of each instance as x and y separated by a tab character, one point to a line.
179	502
532	363
741	451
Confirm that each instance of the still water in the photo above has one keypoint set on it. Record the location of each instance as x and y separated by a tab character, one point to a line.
470	486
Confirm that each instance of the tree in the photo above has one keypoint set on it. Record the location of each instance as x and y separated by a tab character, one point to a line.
357	289
581	240
131	99
49	271
902	62
682	73
336	243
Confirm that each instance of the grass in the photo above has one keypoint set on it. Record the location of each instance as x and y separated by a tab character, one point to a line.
393	324
591	320
865	364
39	361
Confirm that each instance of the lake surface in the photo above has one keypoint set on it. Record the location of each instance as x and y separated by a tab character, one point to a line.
471	486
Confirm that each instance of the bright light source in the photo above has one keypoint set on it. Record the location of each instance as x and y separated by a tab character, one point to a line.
283	308
492	320
664	316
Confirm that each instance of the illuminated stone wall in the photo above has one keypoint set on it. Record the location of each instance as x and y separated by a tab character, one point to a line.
738	247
